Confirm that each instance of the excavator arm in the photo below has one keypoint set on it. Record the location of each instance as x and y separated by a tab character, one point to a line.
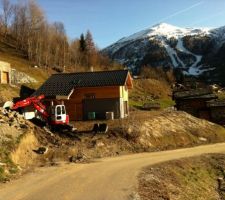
35	102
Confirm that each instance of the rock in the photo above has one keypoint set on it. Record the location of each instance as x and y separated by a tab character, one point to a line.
2	164
221	183
41	150
99	144
79	158
23	126
202	139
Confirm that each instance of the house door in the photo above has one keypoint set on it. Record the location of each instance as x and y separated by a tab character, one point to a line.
5	77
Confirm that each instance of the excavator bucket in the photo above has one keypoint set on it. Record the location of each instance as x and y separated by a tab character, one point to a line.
8	105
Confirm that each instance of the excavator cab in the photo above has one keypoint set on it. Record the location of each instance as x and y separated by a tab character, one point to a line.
58	115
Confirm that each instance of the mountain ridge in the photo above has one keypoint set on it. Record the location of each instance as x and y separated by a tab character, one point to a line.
196	51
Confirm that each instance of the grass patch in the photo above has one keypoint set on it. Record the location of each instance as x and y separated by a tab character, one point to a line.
221	95
135	104
188	178
10	168
150	91
164	103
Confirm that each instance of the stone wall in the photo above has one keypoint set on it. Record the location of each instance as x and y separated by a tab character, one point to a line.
21	78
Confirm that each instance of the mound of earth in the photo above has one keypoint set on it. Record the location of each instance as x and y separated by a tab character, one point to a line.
141	132
17	141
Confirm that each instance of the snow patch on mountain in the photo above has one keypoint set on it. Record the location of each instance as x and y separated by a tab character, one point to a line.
173	54
165	30
193	69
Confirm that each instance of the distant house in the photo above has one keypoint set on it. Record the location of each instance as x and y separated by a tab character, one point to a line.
202	103
5	73
90	94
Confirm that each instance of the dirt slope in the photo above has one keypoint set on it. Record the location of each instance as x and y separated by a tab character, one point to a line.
111	178
17	140
185	179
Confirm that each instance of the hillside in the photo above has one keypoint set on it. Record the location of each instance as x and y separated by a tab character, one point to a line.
19	61
196	51
150	91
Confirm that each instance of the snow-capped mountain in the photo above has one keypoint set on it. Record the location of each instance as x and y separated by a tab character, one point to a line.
196	51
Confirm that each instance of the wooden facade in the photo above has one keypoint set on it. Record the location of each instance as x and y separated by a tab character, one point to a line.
195	107
217	111
99	100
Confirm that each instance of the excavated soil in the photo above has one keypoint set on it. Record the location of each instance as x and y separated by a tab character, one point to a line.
141	132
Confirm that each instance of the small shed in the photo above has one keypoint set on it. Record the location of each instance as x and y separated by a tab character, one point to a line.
5	73
90	95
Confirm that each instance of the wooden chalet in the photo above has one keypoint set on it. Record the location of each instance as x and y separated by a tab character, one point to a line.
90	94
202	103
194	102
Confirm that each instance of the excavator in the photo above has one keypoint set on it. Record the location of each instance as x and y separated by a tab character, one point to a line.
54	116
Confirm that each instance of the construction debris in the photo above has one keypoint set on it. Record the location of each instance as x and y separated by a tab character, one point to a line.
13	119
100	128
41	150
79	158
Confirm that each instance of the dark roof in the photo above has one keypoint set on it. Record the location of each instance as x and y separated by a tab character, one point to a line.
63	83
216	103
195	94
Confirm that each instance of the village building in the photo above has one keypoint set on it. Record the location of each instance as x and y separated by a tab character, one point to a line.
194	102
90	95
5	73
201	103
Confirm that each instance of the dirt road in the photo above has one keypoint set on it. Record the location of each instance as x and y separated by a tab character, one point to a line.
105	179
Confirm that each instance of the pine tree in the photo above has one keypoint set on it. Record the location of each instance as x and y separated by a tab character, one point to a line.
82	43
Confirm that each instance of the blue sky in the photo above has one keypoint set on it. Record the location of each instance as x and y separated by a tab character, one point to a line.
110	20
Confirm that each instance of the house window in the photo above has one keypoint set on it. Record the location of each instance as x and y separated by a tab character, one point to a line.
89	96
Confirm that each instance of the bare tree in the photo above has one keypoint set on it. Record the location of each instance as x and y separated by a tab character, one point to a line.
47	44
7	11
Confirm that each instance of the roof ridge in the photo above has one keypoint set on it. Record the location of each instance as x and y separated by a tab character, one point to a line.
70	73
61	84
